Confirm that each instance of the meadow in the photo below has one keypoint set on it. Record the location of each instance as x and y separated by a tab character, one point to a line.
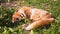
52	6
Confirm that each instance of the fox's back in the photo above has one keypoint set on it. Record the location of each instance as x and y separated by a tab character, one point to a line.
37	14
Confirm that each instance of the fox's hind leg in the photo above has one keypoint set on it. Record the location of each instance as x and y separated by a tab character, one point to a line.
38	23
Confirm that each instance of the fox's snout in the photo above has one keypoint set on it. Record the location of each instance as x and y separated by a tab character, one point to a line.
17	15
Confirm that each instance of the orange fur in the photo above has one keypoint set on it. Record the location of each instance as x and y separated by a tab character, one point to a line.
38	16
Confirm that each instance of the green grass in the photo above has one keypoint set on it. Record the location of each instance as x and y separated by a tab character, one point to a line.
52	6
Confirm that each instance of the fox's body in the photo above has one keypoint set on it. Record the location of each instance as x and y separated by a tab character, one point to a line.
38	16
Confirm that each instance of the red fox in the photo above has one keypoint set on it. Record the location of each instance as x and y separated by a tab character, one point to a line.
38	16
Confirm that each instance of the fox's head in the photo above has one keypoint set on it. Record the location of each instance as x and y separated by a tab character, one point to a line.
17	15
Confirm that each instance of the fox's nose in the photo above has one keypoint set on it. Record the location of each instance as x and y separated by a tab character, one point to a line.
16	20
12	21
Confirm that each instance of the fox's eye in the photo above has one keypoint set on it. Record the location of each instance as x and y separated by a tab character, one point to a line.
17	18
16	10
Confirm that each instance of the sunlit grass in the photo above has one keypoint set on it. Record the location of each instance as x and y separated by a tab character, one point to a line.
52	6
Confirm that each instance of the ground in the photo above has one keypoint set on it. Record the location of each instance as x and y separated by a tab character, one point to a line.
52	6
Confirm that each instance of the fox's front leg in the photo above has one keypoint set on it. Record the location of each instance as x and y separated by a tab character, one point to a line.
38	23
